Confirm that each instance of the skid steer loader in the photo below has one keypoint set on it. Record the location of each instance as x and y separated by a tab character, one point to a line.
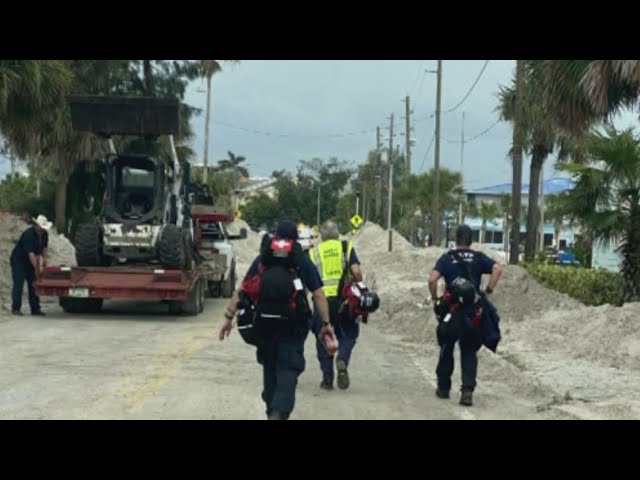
145	216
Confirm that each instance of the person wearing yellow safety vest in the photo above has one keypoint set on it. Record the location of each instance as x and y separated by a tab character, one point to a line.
336	262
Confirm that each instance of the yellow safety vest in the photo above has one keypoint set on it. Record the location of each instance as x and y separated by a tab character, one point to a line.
331	263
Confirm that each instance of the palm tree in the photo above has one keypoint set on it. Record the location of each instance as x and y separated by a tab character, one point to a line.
539	139
516	155
486	211
606	199
582	92
208	68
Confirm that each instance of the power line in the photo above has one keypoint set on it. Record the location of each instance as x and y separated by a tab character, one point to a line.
478	135
424	159
285	135
470	90
425	118
418	76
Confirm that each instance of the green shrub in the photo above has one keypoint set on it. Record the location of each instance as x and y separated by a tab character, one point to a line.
589	286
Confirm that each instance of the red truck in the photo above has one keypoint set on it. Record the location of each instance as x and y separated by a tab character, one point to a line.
84	289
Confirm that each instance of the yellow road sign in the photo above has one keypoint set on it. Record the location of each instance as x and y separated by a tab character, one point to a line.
357	221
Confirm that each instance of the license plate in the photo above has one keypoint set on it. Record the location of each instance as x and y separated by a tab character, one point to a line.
79	292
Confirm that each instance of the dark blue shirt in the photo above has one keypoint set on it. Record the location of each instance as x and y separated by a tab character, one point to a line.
29	243
308	273
478	263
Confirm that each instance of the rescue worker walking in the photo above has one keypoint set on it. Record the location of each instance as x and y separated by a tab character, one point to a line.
281	350
461	263
25	263
336	262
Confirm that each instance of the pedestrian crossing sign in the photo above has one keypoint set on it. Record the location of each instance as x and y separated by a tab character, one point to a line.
357	221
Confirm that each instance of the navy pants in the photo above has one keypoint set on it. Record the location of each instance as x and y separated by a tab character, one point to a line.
282	359
469	345
19	274
347	331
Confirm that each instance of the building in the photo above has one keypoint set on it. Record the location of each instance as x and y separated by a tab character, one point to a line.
494	236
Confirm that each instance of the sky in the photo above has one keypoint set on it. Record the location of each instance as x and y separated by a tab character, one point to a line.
277	112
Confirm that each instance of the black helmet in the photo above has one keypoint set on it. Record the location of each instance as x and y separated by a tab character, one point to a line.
463	291
369	302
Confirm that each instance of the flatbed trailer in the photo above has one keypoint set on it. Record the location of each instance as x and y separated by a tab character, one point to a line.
84	289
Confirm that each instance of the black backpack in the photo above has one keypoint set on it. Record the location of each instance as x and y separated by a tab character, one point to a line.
274	300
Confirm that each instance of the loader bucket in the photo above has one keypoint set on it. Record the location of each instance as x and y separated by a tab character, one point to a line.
138	116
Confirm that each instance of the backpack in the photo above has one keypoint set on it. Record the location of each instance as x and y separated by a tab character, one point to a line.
456	319
273	300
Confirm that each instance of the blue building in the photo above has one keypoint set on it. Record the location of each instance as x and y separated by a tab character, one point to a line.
494	236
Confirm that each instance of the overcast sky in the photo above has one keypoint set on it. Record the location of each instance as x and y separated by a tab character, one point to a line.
277	112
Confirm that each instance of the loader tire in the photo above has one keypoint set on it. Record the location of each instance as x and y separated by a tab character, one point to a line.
170	247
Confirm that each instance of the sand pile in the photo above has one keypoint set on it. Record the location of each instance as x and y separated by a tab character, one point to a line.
61	252
246	250
401	277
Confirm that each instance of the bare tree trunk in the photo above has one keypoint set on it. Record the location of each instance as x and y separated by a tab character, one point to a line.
37	172
533	214
61	204
149	84
205	172
518	131
483	231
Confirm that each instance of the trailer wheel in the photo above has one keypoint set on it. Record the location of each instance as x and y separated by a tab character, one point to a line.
170	247
230	283
81	305
192	305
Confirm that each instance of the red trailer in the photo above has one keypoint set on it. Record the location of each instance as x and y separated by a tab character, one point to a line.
83	289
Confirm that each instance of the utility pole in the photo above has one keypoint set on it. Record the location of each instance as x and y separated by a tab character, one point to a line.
318	219
390	203
390	159
541	209
205	160
460	218
378	212
365	208
436	189
235	187
407	126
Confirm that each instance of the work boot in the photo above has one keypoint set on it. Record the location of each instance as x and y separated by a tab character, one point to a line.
17	313
39	313
466	398
275	416
343	375
326	385
442	393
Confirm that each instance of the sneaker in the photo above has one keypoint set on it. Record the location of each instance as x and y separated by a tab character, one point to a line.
17	313
326	385
39	313
343	375
442	393
466	399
